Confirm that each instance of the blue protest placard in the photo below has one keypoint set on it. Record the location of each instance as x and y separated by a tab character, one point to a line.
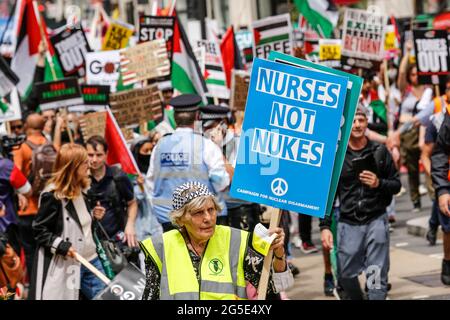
351	102
290	132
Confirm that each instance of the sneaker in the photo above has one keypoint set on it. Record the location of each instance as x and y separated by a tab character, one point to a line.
445	273
308	247
432	236
297	242
422	190
401	192
328	285
417	207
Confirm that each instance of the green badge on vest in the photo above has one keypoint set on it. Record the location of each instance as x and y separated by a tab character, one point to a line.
215	266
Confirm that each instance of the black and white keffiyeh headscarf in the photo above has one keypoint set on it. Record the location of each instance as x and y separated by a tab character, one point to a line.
187	192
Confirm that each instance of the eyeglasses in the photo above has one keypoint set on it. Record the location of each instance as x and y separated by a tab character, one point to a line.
17	127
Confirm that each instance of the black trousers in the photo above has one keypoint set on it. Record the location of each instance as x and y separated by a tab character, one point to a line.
304	227
28	242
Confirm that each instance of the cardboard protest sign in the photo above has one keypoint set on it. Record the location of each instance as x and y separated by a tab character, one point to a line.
153	28
129	284
60	93
290	133
214	72
102	68
8	79
272	33
71	47
330	52
244	40
10	110
351	102
363	39
432	55
240	81
131	107
117	35
93	124
144	61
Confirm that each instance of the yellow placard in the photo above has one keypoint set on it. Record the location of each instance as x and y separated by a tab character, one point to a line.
329	52
116	37
389	41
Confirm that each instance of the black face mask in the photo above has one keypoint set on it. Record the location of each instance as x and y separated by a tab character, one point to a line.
143	161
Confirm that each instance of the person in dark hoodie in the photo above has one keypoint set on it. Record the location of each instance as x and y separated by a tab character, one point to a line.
363	229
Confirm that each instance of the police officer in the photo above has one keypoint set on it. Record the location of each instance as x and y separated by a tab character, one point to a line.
215	121
183	156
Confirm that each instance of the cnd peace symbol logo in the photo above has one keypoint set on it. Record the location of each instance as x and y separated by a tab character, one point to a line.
216	266
279	187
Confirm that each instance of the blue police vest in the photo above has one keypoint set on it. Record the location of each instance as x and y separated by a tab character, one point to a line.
179	159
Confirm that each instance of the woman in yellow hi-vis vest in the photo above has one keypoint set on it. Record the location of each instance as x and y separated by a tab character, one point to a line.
201	260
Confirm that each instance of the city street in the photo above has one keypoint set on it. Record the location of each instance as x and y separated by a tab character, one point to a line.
415	265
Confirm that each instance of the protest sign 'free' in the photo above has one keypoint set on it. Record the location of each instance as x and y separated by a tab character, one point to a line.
272	33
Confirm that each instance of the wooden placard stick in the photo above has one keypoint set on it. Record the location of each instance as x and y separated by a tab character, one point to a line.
437	90
8	128
91	268
264	280
64	112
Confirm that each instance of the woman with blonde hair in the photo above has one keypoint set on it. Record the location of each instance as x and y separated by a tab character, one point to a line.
63	226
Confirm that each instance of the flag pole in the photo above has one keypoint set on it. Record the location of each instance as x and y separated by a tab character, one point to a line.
44	38
172	7
264	280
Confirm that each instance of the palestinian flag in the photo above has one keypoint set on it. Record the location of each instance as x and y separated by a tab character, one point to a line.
118	152
322	15
8	79
24	61
186	74
231	55
271	32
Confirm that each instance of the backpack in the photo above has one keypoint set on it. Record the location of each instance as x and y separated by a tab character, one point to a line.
42	161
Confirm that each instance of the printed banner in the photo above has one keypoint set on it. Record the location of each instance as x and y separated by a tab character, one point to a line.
214	72
351	102
272	33
71	47
363	39
103	68
432	55
391	45
117	36
240	81
144	61
132	107
60	93
330	52
290	133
